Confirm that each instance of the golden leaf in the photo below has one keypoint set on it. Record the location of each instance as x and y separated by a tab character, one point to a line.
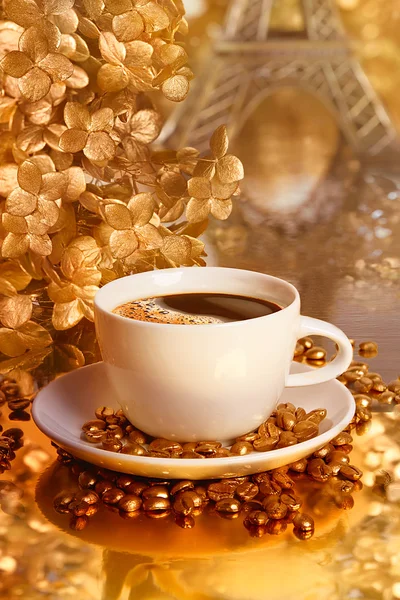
34	336
90	201
230	169
112	78
219	142
102	120
14	245
58	66
145	126
128	26
172	54
78	80
90	250
40	244
57	7
44	163
118	7
99	147
175	88
150	236
197	210
154	17
16	63
88	28
62	160
76	116
176	249
187	158
66	315
204	168
76	184
141	208
20	203
29	361
33	42
67	358
14	224
123	243
8	178
73	140
111	49
35	84
23	12
15	311
31	139
61	293
29	177
221	209
67	22
8	107
138	54
10	342
118	216
173	184
172	214
199	187
53	185
15	275
93	8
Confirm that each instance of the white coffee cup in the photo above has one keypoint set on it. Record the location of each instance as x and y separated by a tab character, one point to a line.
206	382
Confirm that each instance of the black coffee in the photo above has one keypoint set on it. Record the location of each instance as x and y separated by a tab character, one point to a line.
196	309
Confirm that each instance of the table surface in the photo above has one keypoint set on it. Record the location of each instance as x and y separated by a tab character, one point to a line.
347	271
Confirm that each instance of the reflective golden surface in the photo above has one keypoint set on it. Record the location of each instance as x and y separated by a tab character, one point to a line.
318	217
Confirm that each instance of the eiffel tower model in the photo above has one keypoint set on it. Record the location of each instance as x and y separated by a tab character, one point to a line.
250	61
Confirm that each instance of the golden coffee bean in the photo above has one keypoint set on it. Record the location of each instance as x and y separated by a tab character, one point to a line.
78	523
156	454
87	480
191	454
316	416
287	438
302	534
263	444
208	448
285	420
315	353
351	472
364	414
112	445
281	477
130	503
115	431
344	486
307	342
299	466
363	427
324	451
88	496
201	491
94	425
394	386
189	446
286	406
362	400
137	436
62	501
299	349
337	457
361	386
269	430
221	453
223	489
161	445
123	481
387	397
103	486
103	412
183	505
274	507
195	496
319	470
344	501
247	491
361	365
241	448
368	348
113	496
305	430
181	486
228	505
92	509
156	491
300	414
95	437
347	448
185	521
19	404
292	502
303	522
134	449
276	526
248	437
156	503
136	488
257	517
78	508
341	439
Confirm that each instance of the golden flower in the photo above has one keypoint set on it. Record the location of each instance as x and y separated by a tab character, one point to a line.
13	278
28	12
36	65
31	210
173	78
132	17
216	179
129	225
19	333
90	133
126	64
73	296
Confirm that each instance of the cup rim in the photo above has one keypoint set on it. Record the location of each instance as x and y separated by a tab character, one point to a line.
99	302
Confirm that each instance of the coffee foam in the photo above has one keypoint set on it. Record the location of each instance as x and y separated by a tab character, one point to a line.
148	310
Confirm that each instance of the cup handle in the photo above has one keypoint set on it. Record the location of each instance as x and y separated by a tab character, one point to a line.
310	326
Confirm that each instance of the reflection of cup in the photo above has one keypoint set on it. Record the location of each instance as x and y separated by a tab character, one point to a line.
202	382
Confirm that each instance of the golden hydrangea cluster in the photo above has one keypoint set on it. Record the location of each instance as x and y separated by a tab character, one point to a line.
83	196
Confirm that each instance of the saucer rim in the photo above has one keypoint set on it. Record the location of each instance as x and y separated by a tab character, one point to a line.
142	461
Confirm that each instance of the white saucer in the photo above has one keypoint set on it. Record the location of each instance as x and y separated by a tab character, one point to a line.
64	405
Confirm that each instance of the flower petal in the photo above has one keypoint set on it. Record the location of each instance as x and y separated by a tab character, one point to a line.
73	140
16	63
219	142
29	177
175	88
57	7
23	12
36	224
35	84
40	244
14	224
8	178
66	315
154	16
48	211
15	311
117	7
15	275
177	249
197	210
128	26
21	203
78	80
223	191
58	66
67	22
33	42
10	343
138	54
221	209
102	120
199	187
145	125
99	147
34	336
111	49
76	116
118	216
112	78
141	207
123	243
150	236
53	185
76	184
14	245
61	293
230	169
87	278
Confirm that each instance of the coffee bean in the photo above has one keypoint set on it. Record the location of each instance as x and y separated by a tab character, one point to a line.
130	503
247	491
241	448
305	430
274	507
351	472
221	490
